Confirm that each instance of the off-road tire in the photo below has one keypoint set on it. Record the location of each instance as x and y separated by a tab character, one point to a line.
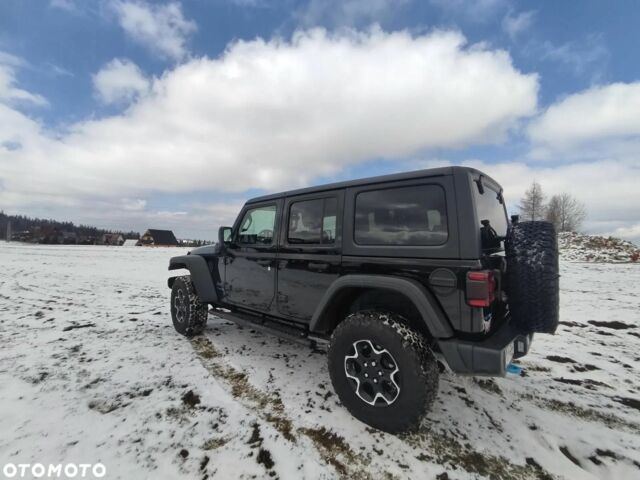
189	315
417	376
532	278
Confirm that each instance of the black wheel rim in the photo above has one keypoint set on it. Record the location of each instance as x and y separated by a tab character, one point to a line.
373	373
180	305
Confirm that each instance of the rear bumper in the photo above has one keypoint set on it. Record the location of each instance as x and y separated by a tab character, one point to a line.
489	357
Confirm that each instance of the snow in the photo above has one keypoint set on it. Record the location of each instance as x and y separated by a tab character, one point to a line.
592	248
122	388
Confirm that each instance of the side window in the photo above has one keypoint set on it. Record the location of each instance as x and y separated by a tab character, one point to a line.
329	220
257	226
312	221
411	216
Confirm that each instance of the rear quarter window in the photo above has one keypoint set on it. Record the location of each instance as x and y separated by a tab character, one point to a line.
490	206
405	216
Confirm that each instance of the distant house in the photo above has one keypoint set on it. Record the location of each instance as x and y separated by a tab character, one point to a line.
69	238
47	234
159	238
131	242
86	240
25	236
112	239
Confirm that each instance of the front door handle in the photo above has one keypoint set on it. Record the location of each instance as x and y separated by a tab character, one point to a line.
264	262
318	266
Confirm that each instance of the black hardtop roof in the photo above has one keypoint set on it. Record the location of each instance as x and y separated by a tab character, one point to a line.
425	173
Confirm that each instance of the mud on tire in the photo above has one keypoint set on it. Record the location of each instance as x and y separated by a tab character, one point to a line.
189	315
416	378
533	276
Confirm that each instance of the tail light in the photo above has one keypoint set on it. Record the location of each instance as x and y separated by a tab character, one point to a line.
481	288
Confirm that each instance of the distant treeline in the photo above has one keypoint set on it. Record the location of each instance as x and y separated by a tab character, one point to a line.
39	230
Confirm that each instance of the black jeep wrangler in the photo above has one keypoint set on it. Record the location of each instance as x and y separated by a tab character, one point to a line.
397	276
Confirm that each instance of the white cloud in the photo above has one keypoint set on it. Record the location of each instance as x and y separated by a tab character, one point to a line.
515	25
277	114
58	71
11	60
133	204
611	202
585	58
16	129
347	12
120	80
591	119
161	28
9	92
631	233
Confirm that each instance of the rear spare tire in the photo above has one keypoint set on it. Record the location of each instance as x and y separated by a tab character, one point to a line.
533	276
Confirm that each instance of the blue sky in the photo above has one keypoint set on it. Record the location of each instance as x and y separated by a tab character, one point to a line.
133	114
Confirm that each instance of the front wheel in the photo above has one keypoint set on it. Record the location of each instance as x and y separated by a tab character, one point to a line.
382	370
189	315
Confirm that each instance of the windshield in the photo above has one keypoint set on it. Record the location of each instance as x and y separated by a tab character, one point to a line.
490	207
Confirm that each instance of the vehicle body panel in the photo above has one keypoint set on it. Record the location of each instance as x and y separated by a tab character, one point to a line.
306	271
250	270
293	284
201	275
436	321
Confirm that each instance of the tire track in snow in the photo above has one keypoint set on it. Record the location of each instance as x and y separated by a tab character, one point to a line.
441	448
332	449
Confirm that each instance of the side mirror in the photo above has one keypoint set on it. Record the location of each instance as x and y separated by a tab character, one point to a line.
224	235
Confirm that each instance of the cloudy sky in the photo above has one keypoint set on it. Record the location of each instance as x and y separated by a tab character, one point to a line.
136	114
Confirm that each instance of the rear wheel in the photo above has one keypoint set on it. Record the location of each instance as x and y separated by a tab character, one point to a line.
189	315
383	371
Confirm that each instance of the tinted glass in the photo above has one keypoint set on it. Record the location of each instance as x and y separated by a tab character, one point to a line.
329	220
312	221
257	226
305	221
490	207
412	216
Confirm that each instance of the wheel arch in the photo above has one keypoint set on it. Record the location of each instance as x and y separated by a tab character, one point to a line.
200	276
347	290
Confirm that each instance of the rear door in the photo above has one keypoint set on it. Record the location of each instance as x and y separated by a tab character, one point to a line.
250	261
309	259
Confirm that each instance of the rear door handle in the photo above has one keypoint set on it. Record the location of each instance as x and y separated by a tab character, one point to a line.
264	262
318	266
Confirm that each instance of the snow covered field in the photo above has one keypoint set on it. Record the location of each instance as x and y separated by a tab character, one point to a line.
91	370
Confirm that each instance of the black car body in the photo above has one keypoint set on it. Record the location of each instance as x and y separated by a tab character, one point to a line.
425	245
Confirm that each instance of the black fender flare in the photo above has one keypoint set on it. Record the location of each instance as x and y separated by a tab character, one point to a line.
426	305
200	276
